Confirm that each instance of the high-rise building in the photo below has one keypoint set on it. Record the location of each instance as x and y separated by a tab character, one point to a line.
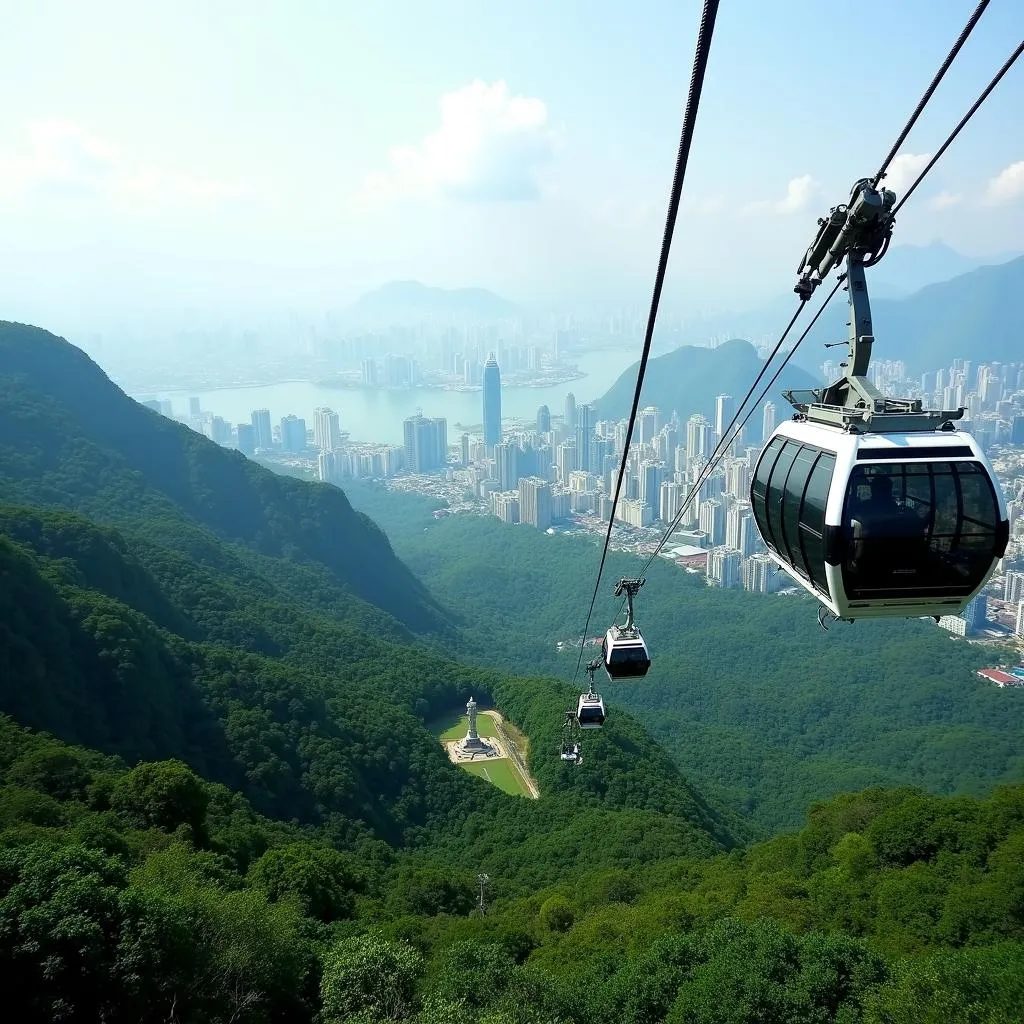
723	567
425	443
293	434
1013	587
569	414
584	434
698	438
369	373
635	512
326	429
712	521
193	408
245	438
767	421
507	465
647	424
543	420
650	484
758	575
167	408
464	456
723	414
264	432
670	499
492	402
565	461
535	502
975	613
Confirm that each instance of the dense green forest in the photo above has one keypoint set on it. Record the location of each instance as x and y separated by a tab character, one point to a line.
758	705
220	800
147	894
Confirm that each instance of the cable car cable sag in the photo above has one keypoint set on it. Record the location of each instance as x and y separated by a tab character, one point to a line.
939	75
700	60
996	78
725	433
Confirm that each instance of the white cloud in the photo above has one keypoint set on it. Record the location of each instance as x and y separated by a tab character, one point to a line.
944	200
905	167
489	146
63	160
799	194
1007	186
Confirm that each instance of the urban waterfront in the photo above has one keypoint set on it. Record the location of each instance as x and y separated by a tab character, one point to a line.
377	414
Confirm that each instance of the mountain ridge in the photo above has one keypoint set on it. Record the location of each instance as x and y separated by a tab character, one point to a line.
689	378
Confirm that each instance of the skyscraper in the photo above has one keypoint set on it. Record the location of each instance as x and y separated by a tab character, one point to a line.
293	434
261	424
698	437
767	421
723	414
535	502
426	443
584	434
492	403
326	429
506	461
570	411
543	420
246	438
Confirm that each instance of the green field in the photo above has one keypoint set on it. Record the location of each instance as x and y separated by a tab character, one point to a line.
454	727
502	773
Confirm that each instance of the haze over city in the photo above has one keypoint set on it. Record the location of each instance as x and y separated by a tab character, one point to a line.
203	164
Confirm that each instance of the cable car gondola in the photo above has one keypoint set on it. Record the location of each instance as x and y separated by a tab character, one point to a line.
877	506
875	525
623	650
590	711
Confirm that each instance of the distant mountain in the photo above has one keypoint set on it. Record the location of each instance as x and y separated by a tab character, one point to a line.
977	316
398	301
689	379
909	268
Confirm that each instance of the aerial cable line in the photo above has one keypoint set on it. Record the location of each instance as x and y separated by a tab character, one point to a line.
939	75
996	78
716	455
700	61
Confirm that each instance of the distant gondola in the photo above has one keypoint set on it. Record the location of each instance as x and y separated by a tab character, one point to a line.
623	650
590	711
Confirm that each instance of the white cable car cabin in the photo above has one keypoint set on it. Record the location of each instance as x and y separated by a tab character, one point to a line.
590	711
623	650
876	506
880	525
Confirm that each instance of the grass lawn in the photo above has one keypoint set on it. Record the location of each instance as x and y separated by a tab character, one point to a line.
502	773
454	727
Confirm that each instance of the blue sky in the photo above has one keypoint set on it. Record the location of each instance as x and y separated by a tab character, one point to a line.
262	154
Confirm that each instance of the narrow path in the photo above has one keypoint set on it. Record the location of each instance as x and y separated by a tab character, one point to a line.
513	752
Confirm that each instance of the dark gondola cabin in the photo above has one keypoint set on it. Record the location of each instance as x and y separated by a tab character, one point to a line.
624	653
590	711
880	525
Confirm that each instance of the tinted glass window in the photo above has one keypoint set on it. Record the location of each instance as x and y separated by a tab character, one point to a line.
799	474
759	485
921	529
812	519
776	490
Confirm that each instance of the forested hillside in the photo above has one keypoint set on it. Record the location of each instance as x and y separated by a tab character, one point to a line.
243	654
220	801
688	379
757	704
150	895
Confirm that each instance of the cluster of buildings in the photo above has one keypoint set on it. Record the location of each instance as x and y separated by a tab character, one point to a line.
565	467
